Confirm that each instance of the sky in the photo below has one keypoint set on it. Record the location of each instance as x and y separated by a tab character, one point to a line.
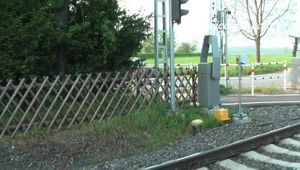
196	24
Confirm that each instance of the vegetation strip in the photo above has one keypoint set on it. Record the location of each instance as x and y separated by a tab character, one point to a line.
204	158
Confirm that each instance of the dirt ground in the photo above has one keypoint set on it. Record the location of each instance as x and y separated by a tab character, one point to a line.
65	150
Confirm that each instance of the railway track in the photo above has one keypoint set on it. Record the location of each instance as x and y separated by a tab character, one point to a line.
285	154
277	149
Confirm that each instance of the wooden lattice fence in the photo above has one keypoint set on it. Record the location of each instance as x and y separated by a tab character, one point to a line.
63	101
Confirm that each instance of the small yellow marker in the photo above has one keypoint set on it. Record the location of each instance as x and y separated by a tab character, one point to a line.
196	124
221	114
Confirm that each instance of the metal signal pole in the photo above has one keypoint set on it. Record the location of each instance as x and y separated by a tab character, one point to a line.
172	59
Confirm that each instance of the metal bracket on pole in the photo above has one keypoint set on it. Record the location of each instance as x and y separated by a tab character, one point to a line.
160	27
218	26
209	74
213	41
240	116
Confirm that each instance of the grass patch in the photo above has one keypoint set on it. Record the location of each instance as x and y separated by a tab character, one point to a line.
246	71
153	127
195	58
260	90
225	90
157	122
120	136
233	71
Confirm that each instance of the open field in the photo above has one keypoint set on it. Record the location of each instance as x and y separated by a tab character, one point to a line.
194	58
265	58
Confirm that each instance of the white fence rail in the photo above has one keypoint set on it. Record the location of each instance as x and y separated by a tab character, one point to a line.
255	77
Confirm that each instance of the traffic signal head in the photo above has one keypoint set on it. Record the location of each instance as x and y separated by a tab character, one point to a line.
177	12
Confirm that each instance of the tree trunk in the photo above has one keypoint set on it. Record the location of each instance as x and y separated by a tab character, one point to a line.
62	61
257	45
295	47
61	18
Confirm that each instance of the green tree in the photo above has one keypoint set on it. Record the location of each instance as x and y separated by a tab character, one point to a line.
46	37
148	45
27	38
255	18
186	47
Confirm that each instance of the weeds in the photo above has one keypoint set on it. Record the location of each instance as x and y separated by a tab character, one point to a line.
152	127
121	136
260	90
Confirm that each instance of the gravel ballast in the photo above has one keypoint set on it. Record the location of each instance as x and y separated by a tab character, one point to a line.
264	119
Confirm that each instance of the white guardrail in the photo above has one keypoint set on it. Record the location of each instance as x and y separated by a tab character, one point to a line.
253	77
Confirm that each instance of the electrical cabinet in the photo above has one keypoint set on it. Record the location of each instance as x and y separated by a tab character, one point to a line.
209	87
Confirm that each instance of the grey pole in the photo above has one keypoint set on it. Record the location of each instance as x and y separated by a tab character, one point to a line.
172	59
156	33
295	47
165	54
240	117
240	86
226	46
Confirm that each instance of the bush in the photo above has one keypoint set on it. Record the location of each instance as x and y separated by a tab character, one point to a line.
224	90
45	37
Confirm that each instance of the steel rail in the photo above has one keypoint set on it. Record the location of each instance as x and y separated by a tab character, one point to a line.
201	159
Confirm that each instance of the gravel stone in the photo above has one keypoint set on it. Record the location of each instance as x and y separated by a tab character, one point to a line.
264	119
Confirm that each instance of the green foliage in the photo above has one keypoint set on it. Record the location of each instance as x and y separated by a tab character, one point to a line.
261	90
148	45
154	127
186	47
183	58
210	122
224	90
46	37
26	36
264	69
195	58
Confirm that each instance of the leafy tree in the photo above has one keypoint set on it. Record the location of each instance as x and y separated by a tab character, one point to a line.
186	47
46	37
148	45
255	17
27	36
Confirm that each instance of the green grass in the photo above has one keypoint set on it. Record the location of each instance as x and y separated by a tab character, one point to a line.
195	58
121	136
259	90
233	71
154	127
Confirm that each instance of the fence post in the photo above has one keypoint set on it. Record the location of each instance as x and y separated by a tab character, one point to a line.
284	76
226	74
252	78
194	85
